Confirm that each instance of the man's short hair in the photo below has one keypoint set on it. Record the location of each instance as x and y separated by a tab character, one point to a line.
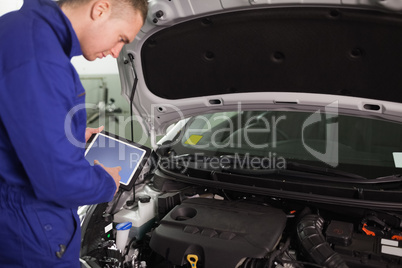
118	6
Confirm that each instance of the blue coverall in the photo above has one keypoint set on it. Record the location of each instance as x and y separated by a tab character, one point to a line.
44	176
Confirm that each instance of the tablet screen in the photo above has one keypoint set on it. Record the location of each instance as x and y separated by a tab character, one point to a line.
111	151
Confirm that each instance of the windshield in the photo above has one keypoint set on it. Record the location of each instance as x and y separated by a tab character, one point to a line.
367	147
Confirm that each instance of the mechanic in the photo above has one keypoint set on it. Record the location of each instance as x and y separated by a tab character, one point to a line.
44	176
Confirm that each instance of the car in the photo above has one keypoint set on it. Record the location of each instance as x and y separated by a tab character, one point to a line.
281	138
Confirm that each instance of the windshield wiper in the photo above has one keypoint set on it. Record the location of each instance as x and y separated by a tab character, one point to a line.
390	178
322	170
336	173
263	166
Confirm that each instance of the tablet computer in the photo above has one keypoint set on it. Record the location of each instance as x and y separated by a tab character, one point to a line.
111	151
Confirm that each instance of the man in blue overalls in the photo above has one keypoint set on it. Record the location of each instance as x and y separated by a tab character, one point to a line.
44	176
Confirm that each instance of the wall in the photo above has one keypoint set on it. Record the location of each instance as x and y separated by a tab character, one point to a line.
9	5
98	74
101	81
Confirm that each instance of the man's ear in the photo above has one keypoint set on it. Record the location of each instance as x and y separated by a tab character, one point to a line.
100	9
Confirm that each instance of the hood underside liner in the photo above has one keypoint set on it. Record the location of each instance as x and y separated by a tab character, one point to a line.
345	52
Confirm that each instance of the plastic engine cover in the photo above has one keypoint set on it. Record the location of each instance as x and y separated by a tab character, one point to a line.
219	233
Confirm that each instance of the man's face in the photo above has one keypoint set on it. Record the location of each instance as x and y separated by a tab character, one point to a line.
108	36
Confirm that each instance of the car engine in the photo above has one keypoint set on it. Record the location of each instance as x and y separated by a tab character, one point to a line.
220	233
180	225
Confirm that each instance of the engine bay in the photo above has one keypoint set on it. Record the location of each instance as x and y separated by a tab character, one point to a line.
179	225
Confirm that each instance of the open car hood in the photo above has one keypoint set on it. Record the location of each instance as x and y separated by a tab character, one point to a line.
202	56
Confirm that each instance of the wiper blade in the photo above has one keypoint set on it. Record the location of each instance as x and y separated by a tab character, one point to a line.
259	166
239	165
322	170
390	178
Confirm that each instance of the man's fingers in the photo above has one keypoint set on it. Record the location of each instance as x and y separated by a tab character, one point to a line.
96	163
90	131
96	130
113	171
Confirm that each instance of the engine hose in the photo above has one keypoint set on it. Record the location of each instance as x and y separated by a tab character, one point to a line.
309	231
253	263
265	263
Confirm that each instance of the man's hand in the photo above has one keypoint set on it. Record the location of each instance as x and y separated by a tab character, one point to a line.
90	131
113	171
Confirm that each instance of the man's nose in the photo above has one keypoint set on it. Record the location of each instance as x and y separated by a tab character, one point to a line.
115	51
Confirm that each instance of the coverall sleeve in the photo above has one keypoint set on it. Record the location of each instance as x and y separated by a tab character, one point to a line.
40	97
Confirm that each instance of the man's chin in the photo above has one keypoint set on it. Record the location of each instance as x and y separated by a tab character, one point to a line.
90	58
